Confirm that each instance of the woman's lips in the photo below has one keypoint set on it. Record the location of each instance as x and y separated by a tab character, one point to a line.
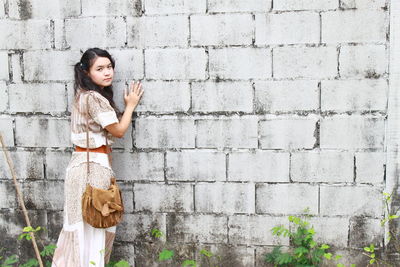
109	79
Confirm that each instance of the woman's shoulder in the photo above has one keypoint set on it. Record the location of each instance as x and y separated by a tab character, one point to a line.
93	95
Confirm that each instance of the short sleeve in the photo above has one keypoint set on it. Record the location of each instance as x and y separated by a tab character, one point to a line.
100	110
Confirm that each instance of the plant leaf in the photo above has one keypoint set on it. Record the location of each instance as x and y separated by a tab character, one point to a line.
206	253
191	263
30	263
122	263
165	254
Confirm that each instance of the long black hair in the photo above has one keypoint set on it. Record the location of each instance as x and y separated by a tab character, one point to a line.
84	82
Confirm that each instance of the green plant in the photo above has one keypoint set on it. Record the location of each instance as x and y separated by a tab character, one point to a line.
304	250
166	254
7	262
47	252
121	263
392	234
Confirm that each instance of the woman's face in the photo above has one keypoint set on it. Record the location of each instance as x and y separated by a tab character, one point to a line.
101	72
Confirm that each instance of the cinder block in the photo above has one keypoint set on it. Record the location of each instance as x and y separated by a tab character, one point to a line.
273	96
350	256
111	8
118	89
240	63
125	251
348	201
59	34
12	223
27	165
27	34
129	64
256	230
195	165
56	164
16	68
258	166
331	231
3	96
362	4
126	141
147	253
163	197
227	198
239	6
165	96
175	6
158	31
7	131
261	252
137	227
187	63
287	28
2	9
98	32
288	133
365	231
370	167
4	67
286	198
322	166
54	224
305	4
43	132
70	95
44	195
127	196
212	133
139	166
221	29
202	228
42	9
50	65
354	95
367	61
230	255
353	26
305	62
164	132
8	195
222	96
45	98
343	132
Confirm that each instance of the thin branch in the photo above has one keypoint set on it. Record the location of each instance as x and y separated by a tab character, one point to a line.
21	199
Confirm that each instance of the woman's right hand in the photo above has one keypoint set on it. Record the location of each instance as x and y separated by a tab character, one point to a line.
133	94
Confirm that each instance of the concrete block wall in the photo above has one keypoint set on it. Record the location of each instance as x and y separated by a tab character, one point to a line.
253	110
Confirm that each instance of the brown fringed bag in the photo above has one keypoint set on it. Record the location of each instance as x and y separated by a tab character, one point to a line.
101	208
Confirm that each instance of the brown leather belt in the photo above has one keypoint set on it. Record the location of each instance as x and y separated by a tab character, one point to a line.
102	149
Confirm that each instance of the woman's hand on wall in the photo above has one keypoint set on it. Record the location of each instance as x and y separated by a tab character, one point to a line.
133	94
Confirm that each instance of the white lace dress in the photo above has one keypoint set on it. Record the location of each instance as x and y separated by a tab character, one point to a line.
79	244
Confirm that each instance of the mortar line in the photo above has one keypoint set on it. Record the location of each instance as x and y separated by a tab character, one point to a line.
319	199
10	67
52	34
226	166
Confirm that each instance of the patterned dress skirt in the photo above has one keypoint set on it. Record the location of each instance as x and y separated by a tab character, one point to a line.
79	244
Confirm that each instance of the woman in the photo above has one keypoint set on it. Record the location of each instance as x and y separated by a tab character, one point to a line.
79	244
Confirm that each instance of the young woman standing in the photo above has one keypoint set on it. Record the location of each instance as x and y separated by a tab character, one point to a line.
79	243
